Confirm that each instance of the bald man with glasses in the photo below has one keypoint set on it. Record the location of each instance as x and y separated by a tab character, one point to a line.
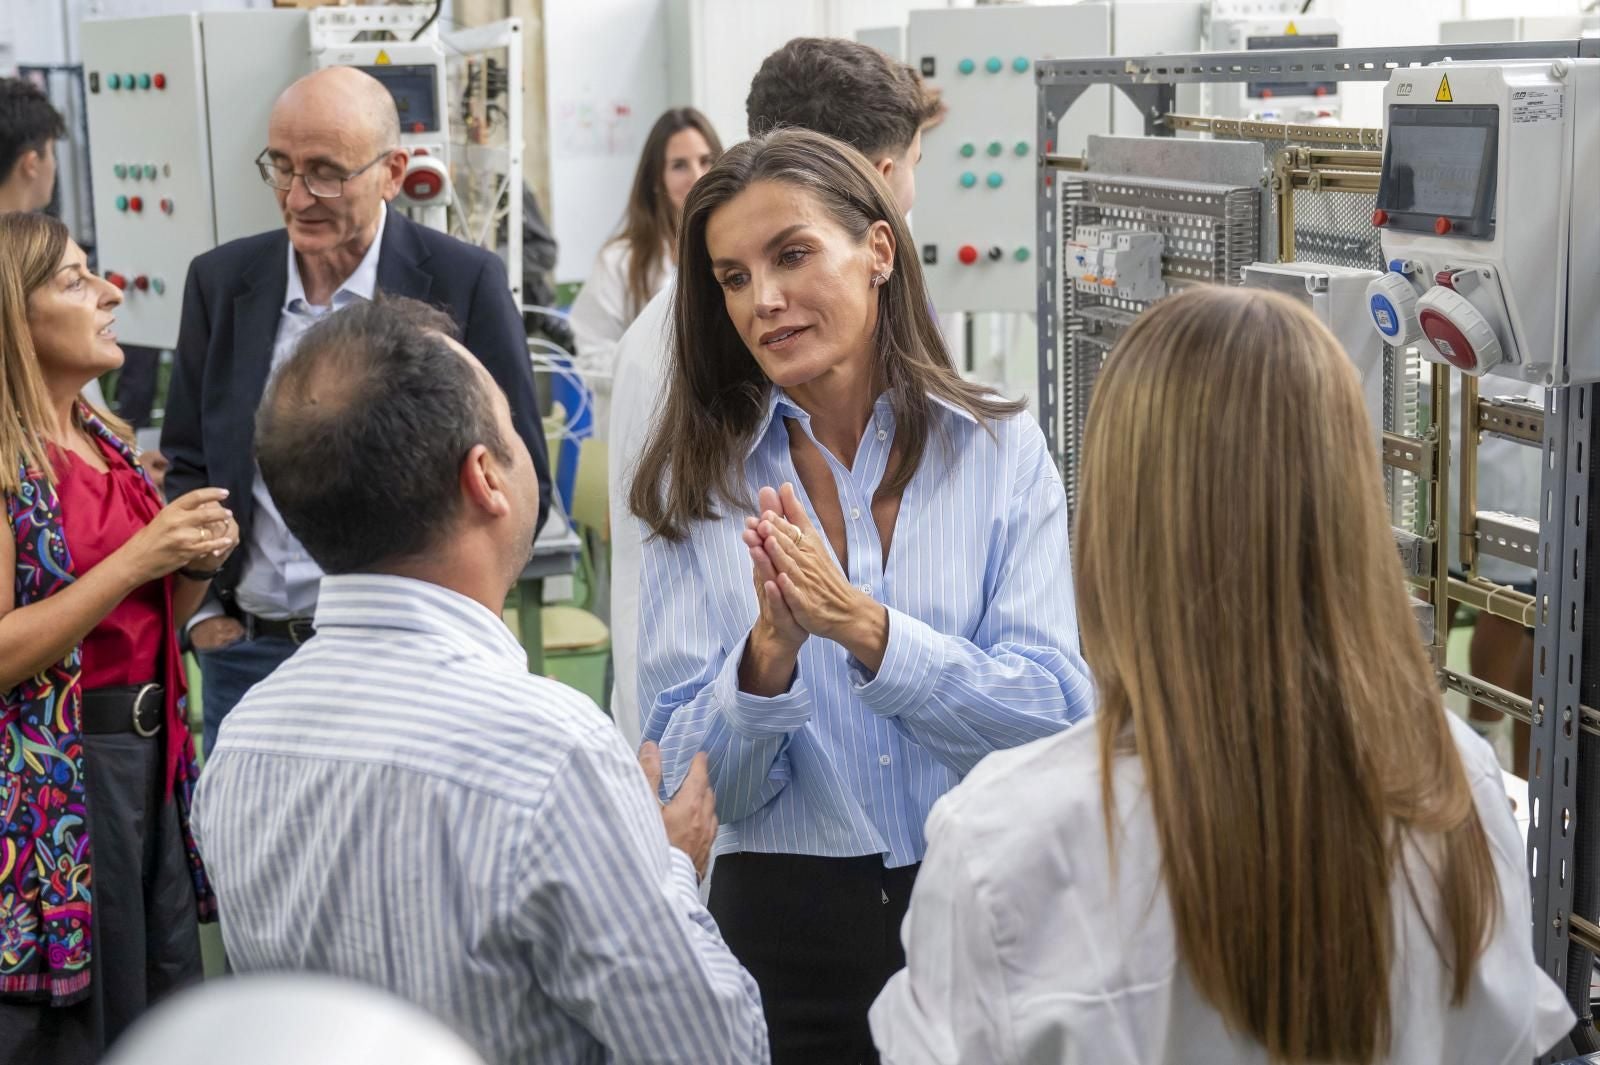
333	160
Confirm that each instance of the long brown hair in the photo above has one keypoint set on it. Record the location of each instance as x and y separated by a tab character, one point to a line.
651	223
717	392
1293	750
31	249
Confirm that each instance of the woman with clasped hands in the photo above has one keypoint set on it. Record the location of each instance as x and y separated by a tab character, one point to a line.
856	579
101	889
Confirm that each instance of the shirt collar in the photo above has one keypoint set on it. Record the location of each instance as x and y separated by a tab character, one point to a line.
362	283
382	601
779	405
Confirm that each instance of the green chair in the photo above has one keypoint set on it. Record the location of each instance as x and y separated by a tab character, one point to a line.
577	644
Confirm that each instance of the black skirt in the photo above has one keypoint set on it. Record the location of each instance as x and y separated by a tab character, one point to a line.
146	936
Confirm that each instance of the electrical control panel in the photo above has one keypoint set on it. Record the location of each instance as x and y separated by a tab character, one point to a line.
975	219
171	155
1120	263
1273	100
1487	212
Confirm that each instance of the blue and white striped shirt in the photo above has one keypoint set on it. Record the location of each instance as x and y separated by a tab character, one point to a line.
982	652
402	804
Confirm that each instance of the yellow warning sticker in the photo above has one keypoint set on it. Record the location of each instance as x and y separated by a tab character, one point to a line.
1291	31
383	58
1443	95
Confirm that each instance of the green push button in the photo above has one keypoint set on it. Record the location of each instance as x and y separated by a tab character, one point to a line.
129	80
995	180
993	65
968	180
966	66
1021	255
136	171
122	203
160	286
144	81
995	148
114	81
150	171
1021	64
1022	148
120	170
968	150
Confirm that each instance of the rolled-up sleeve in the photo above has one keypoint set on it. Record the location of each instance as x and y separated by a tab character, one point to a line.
1021	676
689	683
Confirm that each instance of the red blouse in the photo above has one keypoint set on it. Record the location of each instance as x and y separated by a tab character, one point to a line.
101	512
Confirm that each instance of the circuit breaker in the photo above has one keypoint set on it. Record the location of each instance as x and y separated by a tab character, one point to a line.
1120	263
975	221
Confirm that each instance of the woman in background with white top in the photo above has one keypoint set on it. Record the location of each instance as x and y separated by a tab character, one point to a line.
641	259
1276	844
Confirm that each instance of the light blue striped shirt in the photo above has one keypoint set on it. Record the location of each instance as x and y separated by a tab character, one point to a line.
401	803
982	654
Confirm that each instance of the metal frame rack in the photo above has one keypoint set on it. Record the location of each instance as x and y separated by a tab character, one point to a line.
1564	829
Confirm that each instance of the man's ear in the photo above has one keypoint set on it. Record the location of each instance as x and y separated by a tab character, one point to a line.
483	482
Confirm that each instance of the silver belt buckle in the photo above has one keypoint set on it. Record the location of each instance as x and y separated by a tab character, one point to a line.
138	701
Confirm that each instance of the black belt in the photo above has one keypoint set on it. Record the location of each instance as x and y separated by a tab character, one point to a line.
137	708
296	630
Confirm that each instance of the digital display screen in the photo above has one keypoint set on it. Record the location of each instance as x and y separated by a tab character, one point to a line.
1439	162
413	89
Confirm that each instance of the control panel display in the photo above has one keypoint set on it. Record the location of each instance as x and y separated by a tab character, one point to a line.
1439	167
415	95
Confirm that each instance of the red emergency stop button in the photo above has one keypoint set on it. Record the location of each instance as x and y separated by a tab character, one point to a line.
117	279
1442	225
967	254
160	81
1380	217
135	204
142	283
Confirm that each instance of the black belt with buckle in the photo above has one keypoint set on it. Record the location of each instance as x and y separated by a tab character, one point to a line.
296	630
136	708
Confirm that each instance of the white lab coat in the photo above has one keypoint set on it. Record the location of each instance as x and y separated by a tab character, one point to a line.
640	388
1022	948
601	315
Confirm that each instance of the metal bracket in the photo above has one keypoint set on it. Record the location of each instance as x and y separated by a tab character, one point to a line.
1409	454
1520	420
1507	536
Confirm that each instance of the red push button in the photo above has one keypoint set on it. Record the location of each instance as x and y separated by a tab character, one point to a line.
160	81
117	279
1442	226
417	127
967	254
166	206
136	204
142	283
1380	217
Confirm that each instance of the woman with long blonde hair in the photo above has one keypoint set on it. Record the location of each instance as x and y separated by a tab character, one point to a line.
101	887
1276	845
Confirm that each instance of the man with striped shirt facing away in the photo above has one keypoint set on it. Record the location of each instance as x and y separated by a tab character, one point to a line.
402	803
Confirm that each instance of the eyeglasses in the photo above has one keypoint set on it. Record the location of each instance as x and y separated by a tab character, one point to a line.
323	180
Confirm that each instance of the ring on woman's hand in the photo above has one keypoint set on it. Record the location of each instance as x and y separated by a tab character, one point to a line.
799	537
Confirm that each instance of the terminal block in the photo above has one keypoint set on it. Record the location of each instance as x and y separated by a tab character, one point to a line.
1120	264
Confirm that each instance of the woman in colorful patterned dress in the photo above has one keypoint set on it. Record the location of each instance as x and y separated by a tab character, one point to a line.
100	887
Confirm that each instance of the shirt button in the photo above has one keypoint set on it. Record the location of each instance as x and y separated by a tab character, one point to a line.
883	759
855	513
883	434
866	589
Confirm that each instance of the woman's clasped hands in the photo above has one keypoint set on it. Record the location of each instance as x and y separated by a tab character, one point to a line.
801	590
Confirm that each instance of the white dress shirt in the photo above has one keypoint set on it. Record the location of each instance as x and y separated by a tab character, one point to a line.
1021	947
403	804
640	386
601	315
279	579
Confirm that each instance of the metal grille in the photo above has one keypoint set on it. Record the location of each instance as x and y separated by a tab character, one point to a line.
1211	233
1336	227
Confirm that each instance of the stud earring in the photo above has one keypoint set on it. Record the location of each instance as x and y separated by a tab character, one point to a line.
879	279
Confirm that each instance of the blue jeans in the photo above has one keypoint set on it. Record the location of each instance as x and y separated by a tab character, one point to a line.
228	672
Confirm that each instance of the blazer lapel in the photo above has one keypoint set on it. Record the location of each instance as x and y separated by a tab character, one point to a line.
400	259
256	312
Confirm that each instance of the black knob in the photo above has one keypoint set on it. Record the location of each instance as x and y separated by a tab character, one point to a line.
995	254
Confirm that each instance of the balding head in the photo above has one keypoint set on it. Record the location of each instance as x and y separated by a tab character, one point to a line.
336	122
345	97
